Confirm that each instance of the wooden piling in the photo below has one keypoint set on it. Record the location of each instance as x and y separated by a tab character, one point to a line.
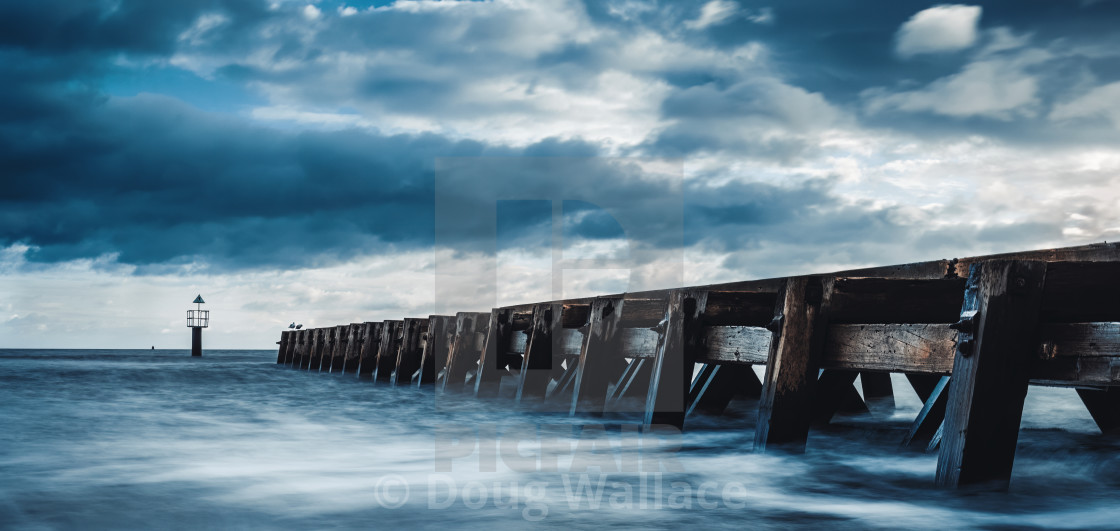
411	350
434	358
367	359
462	358
388	351
285	337
681	334
997	330
798	327
352	357
600	359
494	358
538	362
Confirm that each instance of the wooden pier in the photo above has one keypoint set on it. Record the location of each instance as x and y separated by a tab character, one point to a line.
970	335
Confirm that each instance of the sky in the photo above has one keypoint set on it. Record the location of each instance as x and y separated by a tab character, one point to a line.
286	159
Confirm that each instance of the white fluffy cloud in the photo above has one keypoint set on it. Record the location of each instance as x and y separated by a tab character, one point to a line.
939	29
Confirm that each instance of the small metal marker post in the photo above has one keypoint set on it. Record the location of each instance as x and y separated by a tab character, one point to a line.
197	319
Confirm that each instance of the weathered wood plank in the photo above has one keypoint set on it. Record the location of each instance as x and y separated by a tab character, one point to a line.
800	324
494	357
918	348
600	358
411	349
1081	292
887	300
735	344
438	341
990	373
673	366
338	349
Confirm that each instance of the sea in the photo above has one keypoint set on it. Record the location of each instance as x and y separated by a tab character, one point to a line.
156	439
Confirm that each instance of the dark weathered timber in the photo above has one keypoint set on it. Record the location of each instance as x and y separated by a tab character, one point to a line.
539	362
600	357
494	358
835	392
890	300
462	358
314	347
990	374
800	319
388	350
1081	292
367	360
916	348
878	392
632	385
338	360
303	345
434	358
1094	252
931	416
285	337
723	383
572	315
353	355
338	350
1104	406
410	352
678	347
924	384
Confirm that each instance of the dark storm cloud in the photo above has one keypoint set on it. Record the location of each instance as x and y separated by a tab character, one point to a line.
160	183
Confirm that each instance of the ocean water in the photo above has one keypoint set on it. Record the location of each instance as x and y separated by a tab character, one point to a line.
117	439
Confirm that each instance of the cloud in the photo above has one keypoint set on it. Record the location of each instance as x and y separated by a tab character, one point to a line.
713	13
939	29
1100	102
993	88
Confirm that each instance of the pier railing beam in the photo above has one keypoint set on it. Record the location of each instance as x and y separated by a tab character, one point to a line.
798	328
997	337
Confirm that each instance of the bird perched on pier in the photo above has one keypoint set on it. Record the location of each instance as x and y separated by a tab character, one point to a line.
293	325
298	326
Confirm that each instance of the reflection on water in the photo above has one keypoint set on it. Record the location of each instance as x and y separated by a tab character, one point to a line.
142	439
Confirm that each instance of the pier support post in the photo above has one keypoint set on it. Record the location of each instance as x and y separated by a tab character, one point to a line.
367	360
434	357
537	366
464	353
494	357
285	337
996	339
412	348
798	328
388	351
673	362
1104	406
351	358
600	356
719	384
